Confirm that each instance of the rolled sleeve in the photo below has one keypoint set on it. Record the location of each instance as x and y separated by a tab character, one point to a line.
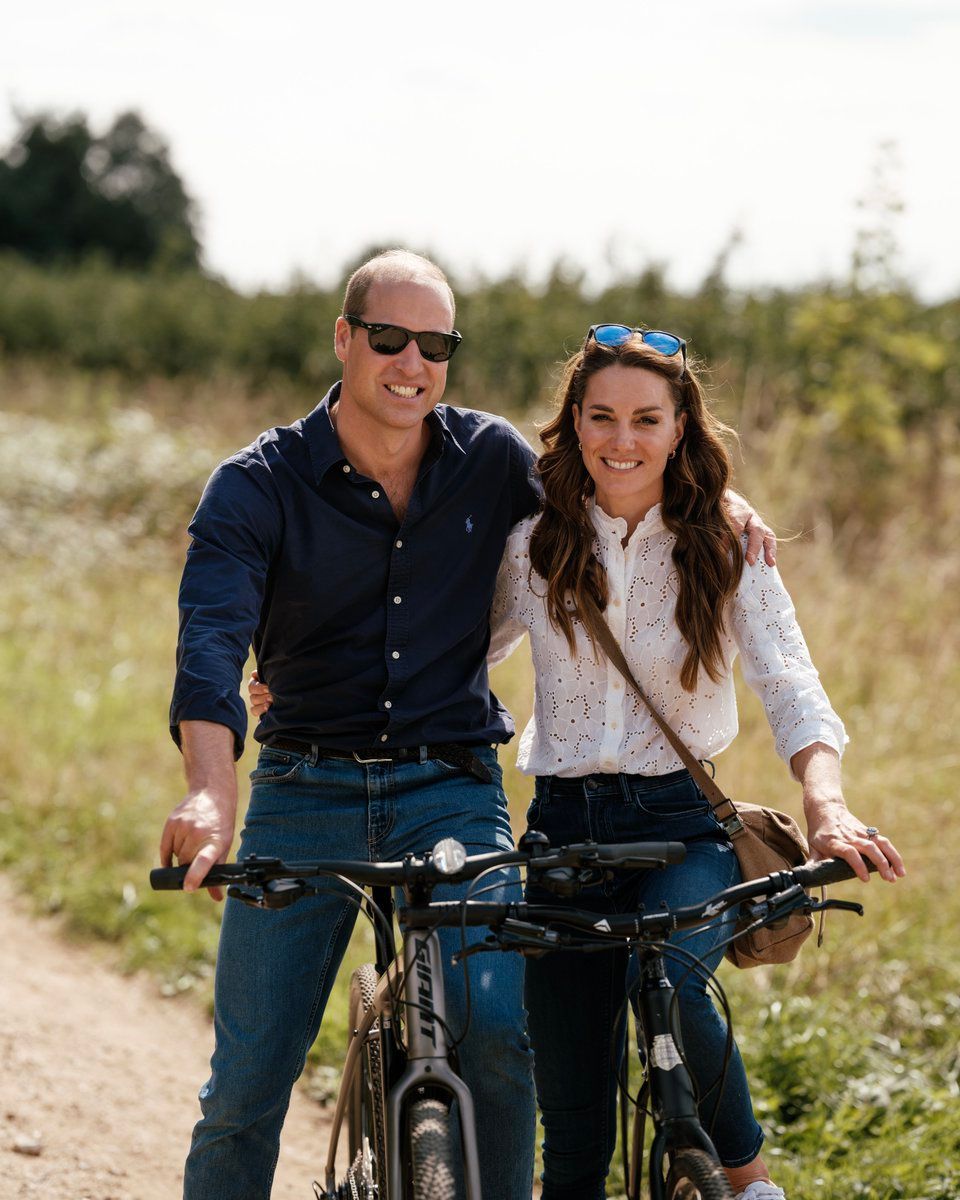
234	532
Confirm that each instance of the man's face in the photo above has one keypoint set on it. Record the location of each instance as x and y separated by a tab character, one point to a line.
394	391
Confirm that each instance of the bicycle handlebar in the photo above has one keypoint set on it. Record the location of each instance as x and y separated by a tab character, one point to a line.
414	869
655	924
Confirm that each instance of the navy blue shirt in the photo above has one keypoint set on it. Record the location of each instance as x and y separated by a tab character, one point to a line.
367	633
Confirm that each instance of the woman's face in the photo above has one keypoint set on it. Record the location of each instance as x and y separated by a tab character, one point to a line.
627	428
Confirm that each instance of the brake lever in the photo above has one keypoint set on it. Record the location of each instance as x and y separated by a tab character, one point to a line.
273	895
519	936
843	905
568	881
253	897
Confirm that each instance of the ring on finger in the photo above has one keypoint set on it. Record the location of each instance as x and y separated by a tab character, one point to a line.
871	832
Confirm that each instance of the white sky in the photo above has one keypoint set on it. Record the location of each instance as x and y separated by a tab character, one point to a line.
503	134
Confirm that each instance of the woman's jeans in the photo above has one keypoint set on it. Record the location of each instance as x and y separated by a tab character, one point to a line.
576	1001
275	969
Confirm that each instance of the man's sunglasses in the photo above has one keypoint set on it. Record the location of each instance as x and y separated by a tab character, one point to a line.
391	339
616	335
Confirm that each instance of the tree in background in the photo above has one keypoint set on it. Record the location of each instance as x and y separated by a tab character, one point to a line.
66	194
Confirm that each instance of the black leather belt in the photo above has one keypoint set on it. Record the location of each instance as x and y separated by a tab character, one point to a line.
453	753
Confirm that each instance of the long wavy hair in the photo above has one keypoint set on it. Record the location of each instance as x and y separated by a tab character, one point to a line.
706	553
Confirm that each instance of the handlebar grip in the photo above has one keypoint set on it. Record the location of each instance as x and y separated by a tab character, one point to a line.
832	870
657	852
167	879
170	879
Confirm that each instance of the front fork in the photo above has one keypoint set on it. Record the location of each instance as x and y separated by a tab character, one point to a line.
427	1059
672	1095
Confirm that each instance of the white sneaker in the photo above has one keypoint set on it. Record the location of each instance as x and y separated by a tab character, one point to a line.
760	1189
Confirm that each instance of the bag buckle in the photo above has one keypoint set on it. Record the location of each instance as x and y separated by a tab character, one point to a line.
732	826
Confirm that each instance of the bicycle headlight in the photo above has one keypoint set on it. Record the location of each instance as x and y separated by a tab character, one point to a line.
449	856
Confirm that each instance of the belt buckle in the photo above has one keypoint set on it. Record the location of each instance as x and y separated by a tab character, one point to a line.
369	760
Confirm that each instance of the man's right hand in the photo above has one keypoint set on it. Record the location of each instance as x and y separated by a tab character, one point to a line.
200	829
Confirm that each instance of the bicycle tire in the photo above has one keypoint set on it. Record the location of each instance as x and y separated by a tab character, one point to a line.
366	1114
431	1159
694	1175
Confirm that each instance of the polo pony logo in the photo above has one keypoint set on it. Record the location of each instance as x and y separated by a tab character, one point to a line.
469	525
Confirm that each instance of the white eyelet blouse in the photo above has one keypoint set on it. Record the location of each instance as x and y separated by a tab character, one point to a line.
587	720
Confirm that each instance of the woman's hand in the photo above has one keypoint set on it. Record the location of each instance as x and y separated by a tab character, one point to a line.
832	829
260	695
745	519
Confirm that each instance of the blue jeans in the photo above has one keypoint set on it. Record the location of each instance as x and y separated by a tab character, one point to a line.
275	969
576	1000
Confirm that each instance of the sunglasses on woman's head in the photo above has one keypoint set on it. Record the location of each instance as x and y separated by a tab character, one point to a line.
391	339
614	336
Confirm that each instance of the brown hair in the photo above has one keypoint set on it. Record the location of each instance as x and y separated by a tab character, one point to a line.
706	552
395	266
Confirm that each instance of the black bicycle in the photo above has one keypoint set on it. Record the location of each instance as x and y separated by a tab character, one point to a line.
400	1080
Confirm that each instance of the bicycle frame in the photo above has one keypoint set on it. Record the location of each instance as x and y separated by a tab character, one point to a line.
419	967
676	1121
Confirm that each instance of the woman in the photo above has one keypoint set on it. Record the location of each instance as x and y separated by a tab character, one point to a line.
634	471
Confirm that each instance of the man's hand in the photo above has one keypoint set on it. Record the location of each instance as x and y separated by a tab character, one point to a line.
259	694
200	829
745	519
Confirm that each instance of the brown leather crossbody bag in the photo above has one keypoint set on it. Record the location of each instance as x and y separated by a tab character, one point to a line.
763	839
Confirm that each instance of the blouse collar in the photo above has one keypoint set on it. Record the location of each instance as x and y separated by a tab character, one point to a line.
616	527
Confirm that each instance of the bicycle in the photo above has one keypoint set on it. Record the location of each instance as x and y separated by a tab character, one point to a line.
399	1078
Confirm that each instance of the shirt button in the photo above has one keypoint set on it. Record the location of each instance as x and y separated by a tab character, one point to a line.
399	544
346	468
617	684
397	600
383	737
613	724
388	704
395	654
375	495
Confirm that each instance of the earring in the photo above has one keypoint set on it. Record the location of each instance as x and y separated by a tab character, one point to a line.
672	454
580	446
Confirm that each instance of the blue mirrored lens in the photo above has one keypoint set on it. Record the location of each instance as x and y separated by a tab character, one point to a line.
612	335
666	343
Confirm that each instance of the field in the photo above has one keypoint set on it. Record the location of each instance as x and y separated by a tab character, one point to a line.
852	1050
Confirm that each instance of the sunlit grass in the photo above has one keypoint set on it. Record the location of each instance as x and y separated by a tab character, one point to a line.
851	1050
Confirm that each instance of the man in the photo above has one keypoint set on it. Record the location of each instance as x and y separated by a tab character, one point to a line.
358	551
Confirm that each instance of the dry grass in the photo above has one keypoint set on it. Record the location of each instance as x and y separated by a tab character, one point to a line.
852	1049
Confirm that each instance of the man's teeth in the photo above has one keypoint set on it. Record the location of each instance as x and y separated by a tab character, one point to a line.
621	466
407	393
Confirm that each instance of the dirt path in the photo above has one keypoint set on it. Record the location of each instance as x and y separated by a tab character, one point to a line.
100	1074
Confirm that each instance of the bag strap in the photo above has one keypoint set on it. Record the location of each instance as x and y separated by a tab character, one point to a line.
596	625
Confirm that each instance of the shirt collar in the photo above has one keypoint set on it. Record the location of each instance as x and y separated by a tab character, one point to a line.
616	527
324	445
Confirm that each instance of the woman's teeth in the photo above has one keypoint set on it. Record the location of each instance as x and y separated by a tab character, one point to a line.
620	466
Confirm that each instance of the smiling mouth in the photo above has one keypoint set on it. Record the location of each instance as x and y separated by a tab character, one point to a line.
620	466
405	393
